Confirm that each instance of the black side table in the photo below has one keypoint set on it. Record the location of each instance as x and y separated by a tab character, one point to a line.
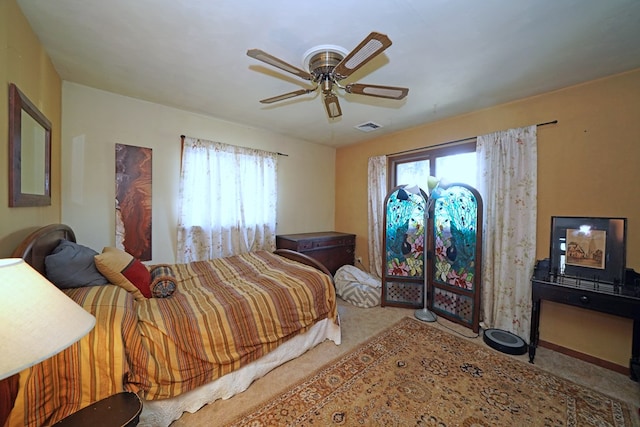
618	300
118	410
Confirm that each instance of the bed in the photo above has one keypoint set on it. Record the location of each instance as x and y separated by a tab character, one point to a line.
229	322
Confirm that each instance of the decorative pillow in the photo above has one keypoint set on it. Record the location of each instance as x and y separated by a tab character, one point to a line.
124	270
357	287
71	265
163	281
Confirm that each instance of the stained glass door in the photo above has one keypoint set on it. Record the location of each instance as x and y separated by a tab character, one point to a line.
454	283
403	281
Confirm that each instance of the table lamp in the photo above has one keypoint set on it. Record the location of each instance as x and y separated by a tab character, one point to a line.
37	321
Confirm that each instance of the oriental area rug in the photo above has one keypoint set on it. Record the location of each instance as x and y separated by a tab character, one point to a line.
414	374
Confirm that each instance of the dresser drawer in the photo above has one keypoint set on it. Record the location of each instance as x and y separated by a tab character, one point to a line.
617	305
304	245
328	243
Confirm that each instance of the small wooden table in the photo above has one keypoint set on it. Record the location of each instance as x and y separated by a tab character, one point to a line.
618	300
118	410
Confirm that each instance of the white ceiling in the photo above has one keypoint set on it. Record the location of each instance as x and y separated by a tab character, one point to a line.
455	56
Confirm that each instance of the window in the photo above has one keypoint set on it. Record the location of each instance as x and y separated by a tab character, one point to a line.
456	163
228	200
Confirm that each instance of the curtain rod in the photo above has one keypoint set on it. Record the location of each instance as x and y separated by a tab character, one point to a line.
457	141
182	137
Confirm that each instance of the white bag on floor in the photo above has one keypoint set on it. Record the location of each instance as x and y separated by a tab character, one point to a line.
357	287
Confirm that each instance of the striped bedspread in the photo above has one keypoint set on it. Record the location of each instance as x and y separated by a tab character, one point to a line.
89	370
225	314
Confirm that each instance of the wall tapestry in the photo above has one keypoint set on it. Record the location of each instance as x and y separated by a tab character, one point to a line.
133	200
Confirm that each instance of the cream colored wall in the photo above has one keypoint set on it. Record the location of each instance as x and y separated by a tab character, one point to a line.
94	121
24	62
588	165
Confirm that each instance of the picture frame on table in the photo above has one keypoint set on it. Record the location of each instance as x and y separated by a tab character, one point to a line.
590	248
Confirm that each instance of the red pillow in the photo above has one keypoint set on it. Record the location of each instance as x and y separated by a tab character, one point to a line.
138	274
123	270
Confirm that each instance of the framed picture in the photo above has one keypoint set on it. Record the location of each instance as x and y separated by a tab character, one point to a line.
589	248
133	200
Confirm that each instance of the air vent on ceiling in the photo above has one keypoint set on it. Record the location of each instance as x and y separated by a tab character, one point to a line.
368	126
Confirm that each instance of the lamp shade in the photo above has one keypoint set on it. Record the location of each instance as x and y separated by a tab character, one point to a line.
37	320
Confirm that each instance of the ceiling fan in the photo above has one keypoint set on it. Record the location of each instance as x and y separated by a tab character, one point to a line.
328	65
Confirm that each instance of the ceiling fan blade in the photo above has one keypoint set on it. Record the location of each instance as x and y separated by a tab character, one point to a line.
278	63
390	92
286	96
332	105
369	48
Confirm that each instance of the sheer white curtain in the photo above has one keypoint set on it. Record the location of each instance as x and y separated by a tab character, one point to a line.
507	181
227	201
377	189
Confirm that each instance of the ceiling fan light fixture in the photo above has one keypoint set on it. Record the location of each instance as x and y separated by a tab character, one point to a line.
334	51
326	65
327	85
332	105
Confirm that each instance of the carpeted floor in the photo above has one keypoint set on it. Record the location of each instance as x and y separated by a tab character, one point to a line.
415	374
359	325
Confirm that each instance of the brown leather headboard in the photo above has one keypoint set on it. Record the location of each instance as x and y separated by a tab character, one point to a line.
37	245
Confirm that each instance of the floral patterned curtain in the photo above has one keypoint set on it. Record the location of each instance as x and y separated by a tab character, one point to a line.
507	181
227	200
377	179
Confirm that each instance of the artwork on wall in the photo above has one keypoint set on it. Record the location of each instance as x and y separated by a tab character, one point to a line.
589	247
586	248
133	200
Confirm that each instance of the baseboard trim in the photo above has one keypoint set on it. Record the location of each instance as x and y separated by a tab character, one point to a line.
586	357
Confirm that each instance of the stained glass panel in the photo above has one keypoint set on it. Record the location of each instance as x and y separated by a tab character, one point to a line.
405	234
455	232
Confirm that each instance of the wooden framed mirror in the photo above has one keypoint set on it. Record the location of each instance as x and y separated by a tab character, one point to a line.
29	152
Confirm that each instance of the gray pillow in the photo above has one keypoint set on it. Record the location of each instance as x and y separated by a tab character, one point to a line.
71	265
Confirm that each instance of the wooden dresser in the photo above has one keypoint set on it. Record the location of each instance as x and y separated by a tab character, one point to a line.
331	248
